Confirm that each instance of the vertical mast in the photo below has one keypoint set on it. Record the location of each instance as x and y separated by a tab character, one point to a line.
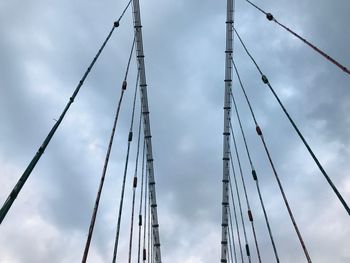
226	134
147	129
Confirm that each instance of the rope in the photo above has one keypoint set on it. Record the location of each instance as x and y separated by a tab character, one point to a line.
266	81
250	215
270	17
15	191
135	181
252	166
240	208
115	250
259	132
141	201
97	201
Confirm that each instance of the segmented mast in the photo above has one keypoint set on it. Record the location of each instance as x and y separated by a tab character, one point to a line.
147	130
226	134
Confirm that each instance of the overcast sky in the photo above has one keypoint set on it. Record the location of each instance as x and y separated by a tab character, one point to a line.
45	47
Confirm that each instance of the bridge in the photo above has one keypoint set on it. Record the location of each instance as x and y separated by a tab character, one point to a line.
159	156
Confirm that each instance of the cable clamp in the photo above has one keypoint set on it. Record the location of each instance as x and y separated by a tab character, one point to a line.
269	16
264	79
258	130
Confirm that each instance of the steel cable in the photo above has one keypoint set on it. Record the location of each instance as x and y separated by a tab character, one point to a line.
270	17
115	249
259	132
266	81
254	173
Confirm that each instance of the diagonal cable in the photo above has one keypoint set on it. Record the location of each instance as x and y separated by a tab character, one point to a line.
266	81
141	202
240	208
254	173
19	185
130	137
291	215
270	17
97	201
135	181
236	223
250	214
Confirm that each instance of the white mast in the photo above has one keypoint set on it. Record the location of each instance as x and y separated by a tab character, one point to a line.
226	134
147	129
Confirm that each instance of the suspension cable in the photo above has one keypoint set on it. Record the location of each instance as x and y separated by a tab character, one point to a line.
115	250
149	234
260	134
97	201
254	173
266	81
15	191
135	180
236	220
145	213
270	17
232	235
141	201
230	253
240	208
250	214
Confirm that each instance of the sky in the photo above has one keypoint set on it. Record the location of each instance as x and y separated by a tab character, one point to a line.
46	46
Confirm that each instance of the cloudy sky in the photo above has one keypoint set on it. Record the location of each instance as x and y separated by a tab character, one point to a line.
45	47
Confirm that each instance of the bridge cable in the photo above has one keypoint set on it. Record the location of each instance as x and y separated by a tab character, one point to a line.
141	202
230	253
232	235
150	234
134	186
97	201
270	17
250	214
236	220
15	191
145	256
254	173
240	208
266	81
130	137
260	134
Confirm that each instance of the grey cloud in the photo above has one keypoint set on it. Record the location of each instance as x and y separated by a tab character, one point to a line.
184	47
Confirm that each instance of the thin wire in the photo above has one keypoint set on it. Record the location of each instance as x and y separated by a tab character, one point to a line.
236	220
115	250
135	180
250	215
232	235
97	201
229	254
149	255
126	8
259	131
141	201
145	212
252	166
270	17
265	80
240	208
15	191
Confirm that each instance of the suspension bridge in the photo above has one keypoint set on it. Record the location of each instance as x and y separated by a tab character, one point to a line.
248	225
